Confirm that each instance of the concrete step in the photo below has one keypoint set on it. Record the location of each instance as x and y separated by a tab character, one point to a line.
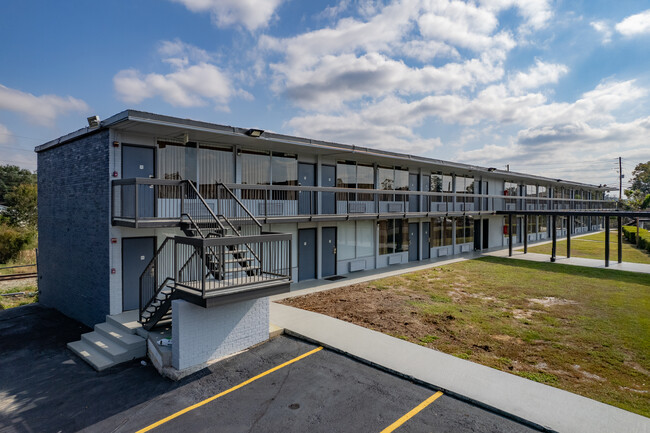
127	320
114	351
92	356
120	336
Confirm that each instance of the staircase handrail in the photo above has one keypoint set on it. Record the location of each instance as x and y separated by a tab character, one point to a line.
200	197
145	305
259	224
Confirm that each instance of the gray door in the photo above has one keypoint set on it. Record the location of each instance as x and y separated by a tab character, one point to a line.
136	255
138	162
414	200
425	241
414	239
306	254
328	199
306	177
328	250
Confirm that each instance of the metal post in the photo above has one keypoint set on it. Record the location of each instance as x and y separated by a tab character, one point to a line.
525	233
554	235
136	204
509	235
637	232
620	239
606	242
568	235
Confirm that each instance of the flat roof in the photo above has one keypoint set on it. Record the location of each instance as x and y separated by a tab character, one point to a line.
130	118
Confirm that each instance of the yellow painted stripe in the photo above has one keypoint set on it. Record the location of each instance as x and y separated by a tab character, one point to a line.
221	394
412	413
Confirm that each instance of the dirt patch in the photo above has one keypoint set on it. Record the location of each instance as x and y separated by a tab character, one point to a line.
550	301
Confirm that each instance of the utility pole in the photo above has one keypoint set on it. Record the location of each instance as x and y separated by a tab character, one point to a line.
620	181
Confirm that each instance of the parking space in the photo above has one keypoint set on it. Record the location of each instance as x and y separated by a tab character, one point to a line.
283	385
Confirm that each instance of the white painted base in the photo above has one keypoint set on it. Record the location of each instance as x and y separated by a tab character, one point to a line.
200	335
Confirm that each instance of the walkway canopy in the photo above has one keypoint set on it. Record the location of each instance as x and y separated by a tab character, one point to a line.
570	214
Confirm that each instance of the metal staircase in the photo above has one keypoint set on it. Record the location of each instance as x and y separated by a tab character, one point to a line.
221	255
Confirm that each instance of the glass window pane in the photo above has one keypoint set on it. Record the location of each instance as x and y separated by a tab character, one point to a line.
435	236
255	171
447	232
346	240
284	171
386	178
384	245
215	165
365	238
401	236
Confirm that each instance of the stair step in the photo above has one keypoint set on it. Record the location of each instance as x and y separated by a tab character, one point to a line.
127	320
92	356
242	269
114	351
128	340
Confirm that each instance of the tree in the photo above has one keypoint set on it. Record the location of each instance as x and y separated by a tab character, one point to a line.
11	176
22	210
639	186
641	178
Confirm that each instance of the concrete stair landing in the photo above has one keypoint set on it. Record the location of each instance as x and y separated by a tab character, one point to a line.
120	339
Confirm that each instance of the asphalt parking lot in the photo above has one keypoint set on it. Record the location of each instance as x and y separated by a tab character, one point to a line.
283	385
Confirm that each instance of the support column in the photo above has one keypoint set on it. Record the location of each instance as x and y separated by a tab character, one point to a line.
525	234
568	235
554	235
606	242
509	235
620	239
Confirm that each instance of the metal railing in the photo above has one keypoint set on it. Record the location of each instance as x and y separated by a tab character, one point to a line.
157	275
229	262
142	199
198	213
237	216
244	205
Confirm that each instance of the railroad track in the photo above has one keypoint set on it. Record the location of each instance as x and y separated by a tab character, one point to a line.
17	276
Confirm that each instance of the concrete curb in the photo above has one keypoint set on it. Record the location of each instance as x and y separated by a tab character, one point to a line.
539	405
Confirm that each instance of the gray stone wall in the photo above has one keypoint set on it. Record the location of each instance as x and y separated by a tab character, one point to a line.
73	228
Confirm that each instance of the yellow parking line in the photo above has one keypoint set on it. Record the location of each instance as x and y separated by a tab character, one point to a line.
412	413
221	394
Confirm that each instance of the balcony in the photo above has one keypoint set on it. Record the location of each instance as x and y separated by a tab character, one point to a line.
163	203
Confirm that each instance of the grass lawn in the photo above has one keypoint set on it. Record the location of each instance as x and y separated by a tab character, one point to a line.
593	247
580	329
27	257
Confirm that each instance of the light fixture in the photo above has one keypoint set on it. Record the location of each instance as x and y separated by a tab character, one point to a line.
491	169
93	122
254	132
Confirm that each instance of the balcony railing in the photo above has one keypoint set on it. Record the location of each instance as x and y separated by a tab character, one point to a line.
216	266
138	202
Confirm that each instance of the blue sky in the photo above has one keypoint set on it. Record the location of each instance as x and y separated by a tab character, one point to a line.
558	88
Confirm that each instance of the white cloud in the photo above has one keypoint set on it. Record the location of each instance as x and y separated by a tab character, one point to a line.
537	76
635	25
536	13
604	29
5	134
252	14
193	82
43	109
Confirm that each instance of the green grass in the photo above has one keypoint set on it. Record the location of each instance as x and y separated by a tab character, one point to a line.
593	247
593	339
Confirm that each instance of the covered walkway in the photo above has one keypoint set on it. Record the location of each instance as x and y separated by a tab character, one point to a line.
570	215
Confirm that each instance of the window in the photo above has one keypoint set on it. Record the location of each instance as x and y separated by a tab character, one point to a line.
351	175
255	171
447	231
511	190
435	234
171	159
393	236
543	224
441	183
464	230
532	224
355	239
464	185
284	171
216	164
514	226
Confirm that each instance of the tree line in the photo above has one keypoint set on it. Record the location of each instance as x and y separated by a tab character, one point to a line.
18	221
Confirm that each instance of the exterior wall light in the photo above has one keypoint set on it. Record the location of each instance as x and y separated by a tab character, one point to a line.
113	240
116	144
254	132
491	169
93	122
